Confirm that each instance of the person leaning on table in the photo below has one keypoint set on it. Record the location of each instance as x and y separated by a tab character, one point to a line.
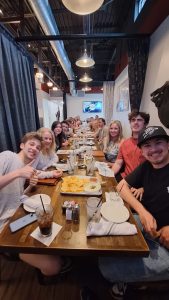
15	168
153	215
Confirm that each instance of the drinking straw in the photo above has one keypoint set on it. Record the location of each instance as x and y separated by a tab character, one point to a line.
42	204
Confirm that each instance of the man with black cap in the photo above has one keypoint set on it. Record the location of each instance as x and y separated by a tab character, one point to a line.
152	214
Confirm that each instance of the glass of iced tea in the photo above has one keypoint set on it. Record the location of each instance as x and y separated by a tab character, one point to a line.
45	219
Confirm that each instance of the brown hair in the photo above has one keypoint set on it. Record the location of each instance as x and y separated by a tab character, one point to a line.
31	135
135	113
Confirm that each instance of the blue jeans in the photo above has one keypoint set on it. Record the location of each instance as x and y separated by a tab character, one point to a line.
155	267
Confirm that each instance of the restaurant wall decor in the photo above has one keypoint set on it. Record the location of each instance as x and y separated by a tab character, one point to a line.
123	97
92	106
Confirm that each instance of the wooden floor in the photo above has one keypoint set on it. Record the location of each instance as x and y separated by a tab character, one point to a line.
19	282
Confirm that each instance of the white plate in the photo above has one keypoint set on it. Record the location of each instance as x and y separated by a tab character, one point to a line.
116	213
34	201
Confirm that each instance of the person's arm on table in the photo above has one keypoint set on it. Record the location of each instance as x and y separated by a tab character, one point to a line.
117	166
147	220
164	236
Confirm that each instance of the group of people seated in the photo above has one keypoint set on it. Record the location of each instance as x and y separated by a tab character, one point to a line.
140	164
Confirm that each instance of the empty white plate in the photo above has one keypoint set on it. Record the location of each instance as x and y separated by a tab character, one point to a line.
30	204
116	213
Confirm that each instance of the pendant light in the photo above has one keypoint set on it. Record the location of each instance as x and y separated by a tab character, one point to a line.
85	61
82	7
85	78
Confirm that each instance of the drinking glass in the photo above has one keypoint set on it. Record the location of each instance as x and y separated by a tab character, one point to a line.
45	219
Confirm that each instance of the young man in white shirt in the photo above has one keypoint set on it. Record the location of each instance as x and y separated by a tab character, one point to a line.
15	168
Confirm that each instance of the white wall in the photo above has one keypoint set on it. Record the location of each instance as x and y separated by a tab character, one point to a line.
157	69
74	105
122	116
48	107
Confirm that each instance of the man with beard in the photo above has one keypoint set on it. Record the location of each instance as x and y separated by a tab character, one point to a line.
152	215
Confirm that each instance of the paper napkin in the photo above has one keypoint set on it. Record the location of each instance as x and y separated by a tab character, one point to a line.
104	228
104	169
46	240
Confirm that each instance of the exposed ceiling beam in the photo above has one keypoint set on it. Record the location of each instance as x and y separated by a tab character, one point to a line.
80	37
15	19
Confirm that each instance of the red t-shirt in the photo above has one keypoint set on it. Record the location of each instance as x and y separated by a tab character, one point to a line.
131	155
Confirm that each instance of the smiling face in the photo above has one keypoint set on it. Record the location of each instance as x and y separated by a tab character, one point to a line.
47	139
65	127
30	149
156	151
114	130
58	129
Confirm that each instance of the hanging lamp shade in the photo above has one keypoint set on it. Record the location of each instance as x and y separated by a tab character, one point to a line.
85	61
85	78
82	7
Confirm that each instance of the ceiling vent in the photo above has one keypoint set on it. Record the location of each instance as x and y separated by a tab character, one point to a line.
80	93
55	94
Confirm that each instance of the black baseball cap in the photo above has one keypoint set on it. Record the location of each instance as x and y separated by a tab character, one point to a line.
151	132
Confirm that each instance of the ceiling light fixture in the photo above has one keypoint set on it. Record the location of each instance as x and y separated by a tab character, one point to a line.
82	7
86	88
39	75
49	84
85	61
55	88
85	78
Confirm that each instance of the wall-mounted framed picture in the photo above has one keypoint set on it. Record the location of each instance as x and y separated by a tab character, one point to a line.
123	97
92	106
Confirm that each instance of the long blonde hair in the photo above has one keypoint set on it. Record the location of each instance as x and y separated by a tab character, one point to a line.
118	138
41	131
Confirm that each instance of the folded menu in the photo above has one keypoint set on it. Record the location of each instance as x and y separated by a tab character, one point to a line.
48	181
104	228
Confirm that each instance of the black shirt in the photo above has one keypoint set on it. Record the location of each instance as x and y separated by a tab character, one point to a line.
156	190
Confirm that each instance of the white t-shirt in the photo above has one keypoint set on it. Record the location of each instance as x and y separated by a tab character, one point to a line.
11	193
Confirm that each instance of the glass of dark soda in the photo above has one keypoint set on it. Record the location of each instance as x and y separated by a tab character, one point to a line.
45	219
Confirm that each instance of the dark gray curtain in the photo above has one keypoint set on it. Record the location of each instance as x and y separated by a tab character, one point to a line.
138	51
18	102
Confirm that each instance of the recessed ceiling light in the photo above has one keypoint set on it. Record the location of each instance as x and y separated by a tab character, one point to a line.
49	84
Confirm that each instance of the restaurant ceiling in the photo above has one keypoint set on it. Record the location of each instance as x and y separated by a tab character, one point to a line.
109	22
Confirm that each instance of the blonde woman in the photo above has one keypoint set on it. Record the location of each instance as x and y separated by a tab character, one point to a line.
112	141
47	156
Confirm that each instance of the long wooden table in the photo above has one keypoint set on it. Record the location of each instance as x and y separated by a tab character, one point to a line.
72	239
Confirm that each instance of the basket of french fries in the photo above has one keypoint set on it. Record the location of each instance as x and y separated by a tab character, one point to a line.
81	185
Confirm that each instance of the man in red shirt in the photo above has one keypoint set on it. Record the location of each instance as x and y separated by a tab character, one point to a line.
130	155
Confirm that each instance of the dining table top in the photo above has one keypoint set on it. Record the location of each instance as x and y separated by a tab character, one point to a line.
71	239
